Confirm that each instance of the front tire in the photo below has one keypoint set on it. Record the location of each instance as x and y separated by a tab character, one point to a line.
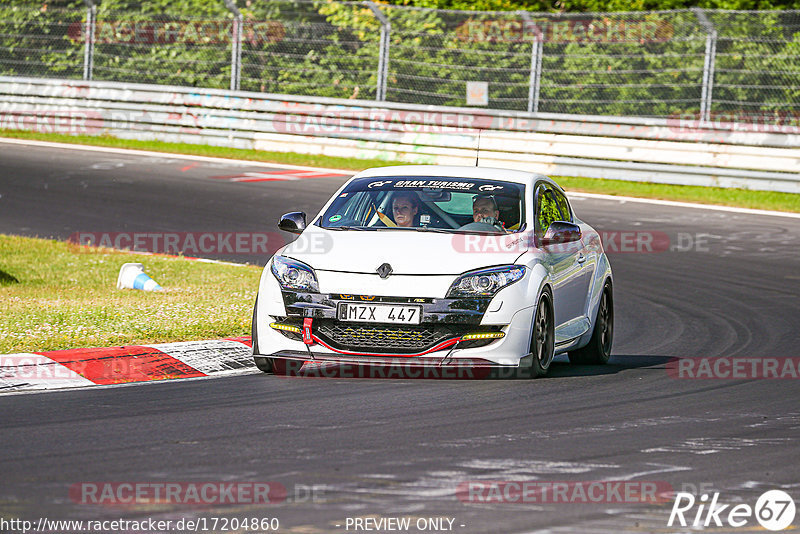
542	336
598	350
263	364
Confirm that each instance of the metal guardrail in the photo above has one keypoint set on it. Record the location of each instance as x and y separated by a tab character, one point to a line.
653	150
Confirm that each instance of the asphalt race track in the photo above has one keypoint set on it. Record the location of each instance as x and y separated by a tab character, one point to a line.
726	284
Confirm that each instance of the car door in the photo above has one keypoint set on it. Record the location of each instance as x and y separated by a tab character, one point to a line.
564	261
586	256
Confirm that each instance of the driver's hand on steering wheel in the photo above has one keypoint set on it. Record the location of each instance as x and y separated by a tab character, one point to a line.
494	221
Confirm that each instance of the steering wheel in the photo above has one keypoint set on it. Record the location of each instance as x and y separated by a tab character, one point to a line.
482	227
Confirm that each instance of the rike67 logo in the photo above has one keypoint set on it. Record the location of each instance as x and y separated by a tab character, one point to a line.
774	510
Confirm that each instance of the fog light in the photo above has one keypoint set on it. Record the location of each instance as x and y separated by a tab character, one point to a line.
286	327
482	335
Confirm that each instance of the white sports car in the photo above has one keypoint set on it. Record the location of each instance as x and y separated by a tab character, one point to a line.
437	266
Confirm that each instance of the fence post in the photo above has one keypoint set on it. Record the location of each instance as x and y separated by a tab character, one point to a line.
537	48
236	45
88	42
708	64
383	54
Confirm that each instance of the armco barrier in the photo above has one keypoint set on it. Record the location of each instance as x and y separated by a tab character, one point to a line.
679	150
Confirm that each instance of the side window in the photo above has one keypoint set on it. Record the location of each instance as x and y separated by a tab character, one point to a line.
563	206
546	208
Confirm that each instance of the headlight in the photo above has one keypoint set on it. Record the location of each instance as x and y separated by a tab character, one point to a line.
292	274
486	282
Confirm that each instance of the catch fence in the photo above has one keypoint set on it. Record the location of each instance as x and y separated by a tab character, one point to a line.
713	65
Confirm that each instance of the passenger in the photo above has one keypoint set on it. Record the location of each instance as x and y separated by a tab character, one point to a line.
405	207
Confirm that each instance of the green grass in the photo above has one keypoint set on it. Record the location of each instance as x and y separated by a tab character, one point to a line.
56	295
742	198
704	195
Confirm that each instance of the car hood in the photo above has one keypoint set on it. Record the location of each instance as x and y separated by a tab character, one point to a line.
408	252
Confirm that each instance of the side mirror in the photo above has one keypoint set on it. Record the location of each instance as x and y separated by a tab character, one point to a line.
560	232
294	222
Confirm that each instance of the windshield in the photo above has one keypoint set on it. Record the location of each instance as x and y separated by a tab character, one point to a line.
443	204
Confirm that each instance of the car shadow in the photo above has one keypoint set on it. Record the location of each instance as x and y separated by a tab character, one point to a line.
560	368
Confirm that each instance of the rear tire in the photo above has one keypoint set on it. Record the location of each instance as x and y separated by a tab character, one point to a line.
264	364
598	350
542	345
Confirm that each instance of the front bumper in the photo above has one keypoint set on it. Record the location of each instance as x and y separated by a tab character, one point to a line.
443	324
438	311
437	339
304	357
295	363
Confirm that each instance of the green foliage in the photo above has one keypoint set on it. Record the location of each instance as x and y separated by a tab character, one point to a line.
603	6
164	42
548	210
34	39
640	64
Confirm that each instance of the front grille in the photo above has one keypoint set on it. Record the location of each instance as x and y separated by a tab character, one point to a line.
386	338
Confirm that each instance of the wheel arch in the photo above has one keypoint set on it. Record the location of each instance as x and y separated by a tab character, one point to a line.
254	329
532	364
594	305
544	285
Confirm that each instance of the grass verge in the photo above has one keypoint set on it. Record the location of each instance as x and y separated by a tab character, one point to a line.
56	295
742	198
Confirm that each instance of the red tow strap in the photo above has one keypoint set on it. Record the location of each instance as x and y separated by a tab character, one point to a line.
307	337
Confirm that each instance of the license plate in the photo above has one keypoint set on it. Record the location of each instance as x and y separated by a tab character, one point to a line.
380	313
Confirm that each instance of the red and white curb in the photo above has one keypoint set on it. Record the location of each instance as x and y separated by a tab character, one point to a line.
76	368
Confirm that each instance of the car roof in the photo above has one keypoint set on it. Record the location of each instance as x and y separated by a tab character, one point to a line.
456	171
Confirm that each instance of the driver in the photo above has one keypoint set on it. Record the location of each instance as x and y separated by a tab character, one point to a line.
484	210
405	207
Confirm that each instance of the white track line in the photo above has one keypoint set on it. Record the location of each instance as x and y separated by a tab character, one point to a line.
125	151
130	151
730	209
